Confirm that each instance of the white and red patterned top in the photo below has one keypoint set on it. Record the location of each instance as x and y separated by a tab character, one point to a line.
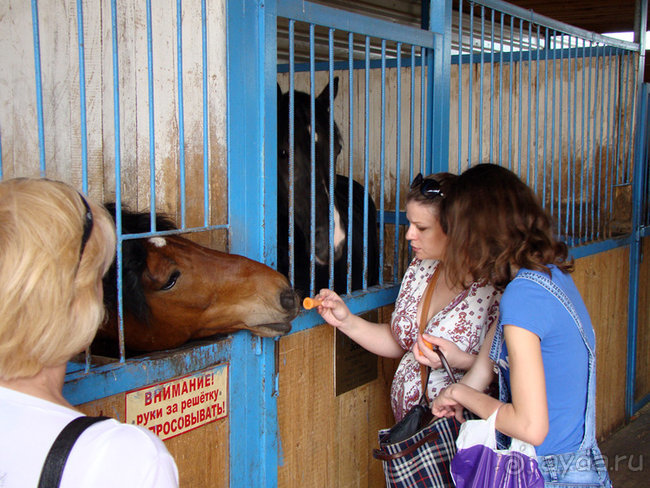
464	321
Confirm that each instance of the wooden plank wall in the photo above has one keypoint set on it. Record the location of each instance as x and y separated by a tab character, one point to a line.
62	103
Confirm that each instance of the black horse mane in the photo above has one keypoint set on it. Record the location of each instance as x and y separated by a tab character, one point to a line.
134	262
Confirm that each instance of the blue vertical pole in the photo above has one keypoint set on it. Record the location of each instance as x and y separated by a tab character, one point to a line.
252	102
439	87
39	87
640	165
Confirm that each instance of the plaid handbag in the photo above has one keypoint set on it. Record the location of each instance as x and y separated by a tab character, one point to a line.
423	459
417	451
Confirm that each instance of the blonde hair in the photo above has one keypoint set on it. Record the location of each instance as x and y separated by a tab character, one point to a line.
50	291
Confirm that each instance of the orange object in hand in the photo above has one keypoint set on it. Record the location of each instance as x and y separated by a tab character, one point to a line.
427	343
310	303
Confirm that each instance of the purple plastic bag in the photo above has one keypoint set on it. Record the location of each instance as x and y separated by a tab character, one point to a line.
479	464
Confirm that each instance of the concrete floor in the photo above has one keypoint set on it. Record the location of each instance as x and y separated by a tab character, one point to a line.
627	452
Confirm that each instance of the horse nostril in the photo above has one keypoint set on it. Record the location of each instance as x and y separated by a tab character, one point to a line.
288	299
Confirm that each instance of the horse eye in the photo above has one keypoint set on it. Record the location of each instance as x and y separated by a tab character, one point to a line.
172	281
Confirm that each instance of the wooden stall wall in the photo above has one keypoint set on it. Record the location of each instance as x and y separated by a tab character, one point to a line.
327	440
603	281
63	102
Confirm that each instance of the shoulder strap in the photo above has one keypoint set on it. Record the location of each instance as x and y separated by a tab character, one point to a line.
60	450
559	294
426	301
424	312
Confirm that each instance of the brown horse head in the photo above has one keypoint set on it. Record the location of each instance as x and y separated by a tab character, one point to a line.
176	290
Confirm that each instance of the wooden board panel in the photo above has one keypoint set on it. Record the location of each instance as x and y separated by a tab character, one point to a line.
603	282
327	440
202	455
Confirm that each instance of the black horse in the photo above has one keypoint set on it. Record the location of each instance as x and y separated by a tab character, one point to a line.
302	184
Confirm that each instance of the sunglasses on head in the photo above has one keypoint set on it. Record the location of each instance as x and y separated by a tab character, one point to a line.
88	226
429	188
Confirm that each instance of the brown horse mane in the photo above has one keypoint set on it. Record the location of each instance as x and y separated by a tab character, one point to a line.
134	261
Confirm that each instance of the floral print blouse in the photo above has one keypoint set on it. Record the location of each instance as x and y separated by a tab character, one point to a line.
464	321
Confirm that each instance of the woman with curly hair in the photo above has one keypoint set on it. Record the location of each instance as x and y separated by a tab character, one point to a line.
458	315
544	344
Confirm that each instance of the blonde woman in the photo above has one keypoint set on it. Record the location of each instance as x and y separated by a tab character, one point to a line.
56	246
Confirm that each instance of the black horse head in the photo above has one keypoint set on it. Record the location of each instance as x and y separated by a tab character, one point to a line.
304	135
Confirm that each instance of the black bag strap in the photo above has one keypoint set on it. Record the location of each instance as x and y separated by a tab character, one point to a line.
60	450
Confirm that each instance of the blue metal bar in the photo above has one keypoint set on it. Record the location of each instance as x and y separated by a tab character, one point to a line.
358	302
574	162
640	165
560	133
591	158
82	98
530	104
292	155
118	178
359	64
545	154
252	159
470	91
492	95
382	163
480	110
39	87
500	98
460	86
366	165
312	152
114	378
520	103
439	87
536	165
350	156
206	135
511	73
599	198
332	163
398	163
152	126
423	109
412	115
181	111
583	161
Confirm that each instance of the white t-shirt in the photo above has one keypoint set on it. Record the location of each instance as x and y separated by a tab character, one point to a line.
108	454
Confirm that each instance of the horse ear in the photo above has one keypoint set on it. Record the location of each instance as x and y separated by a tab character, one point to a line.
325	94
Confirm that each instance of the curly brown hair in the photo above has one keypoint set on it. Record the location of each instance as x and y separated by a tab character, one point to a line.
495	225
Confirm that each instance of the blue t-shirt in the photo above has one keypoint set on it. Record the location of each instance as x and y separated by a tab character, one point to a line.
530	306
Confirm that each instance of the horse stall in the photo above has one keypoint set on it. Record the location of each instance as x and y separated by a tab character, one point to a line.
243	141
